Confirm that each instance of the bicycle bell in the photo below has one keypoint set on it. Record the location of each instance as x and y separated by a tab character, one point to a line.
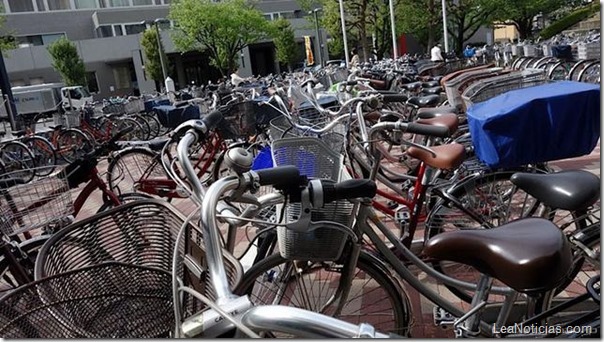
239	160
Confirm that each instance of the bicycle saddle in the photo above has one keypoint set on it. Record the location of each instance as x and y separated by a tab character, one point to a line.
18	133
568	190
432	90
447	157
430	84
444	120
412	86
9	182
156	144
425	101
528	255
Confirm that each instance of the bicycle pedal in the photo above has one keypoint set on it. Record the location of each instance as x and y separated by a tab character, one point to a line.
442	317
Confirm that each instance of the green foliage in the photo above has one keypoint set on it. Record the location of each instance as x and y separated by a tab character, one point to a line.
520	13
422	19
67	62
466	17
285	42
569	20
223	28
151	50
7	41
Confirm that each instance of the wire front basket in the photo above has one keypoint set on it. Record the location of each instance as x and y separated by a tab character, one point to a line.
314	159
109	300
138	234
42	202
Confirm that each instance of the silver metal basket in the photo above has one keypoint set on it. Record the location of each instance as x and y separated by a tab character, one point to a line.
41	202
491	87
281	128
315	159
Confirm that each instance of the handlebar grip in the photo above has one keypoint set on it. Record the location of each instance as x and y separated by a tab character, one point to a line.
352	83
212	119
276	176
430	130
348	189
387	98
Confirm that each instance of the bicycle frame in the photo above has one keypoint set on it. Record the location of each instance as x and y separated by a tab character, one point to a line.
167	187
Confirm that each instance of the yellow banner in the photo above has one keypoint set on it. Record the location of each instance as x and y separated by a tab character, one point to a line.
310	60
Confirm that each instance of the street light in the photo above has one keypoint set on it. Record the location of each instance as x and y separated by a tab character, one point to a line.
319	40
156	23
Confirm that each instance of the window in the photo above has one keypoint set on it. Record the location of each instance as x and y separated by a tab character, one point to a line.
91	82
142	2
118	30
54	5
118	3
41	6
122	77
135	28
40	39
104	31
36	80
21	5
287	15
81	4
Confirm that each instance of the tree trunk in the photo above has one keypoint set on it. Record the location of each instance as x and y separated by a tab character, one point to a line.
525	28
363	30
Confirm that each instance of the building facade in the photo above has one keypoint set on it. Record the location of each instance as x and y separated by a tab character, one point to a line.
107	35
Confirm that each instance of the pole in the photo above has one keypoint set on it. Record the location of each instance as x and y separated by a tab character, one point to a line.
343	21
9	102
318	37
161	51
445	32
392	25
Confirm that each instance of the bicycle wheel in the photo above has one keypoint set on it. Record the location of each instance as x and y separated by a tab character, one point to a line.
591	73
146	130
30	249
44	154
374	297
154	125
558	71
137	132
129	166
73	144
18	160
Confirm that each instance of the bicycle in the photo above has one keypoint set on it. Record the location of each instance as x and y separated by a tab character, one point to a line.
16	156
46	202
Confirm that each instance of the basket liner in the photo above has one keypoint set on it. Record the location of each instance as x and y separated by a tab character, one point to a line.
536	124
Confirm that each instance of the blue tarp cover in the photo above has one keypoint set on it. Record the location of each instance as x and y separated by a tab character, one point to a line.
536	124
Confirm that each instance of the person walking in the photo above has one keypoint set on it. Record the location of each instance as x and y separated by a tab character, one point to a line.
354	61
436	54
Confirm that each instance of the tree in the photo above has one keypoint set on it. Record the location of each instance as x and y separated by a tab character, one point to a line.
67	62
422	19
7	40
223	28
466	17
285	43
150	46
521	13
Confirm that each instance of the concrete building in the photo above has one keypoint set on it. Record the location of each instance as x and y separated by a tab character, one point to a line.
107	36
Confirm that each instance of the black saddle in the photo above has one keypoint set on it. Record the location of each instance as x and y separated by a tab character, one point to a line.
432	90
412	86
529	255
425	101
567	190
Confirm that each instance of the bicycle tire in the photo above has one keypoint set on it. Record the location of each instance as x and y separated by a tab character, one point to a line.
558	71
154	125
573	74
72	144
146	129
18	160
30	248
589	73
44	154
265	271
136	134
128	166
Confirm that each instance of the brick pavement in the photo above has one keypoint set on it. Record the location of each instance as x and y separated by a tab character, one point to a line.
423	321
